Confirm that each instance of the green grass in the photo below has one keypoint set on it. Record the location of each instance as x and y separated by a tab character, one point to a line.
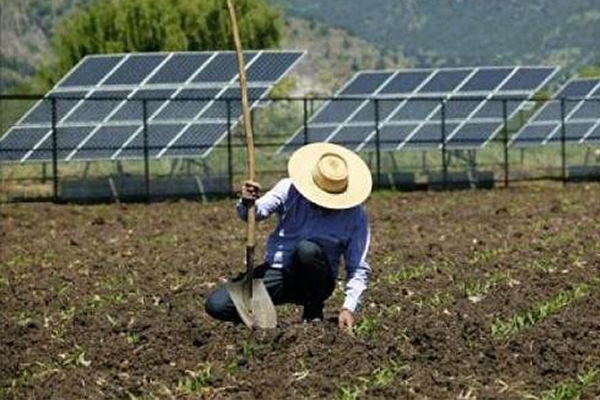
407	274
380	378
478	288
197	380
502	329
574	389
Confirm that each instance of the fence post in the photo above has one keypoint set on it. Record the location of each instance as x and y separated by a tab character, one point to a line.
305	119
54	153
377	144
563	140
229	150
444	161
505	119
146	149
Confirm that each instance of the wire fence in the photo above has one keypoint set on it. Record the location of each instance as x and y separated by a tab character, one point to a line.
110	148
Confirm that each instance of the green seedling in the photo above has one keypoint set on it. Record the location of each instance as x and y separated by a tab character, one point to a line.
366	328
573	390
519	322
380	378
196	381
408	274
479	288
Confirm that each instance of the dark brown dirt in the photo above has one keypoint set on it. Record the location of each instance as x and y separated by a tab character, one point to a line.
107	301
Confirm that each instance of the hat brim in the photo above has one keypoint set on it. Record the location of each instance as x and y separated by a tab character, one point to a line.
300	169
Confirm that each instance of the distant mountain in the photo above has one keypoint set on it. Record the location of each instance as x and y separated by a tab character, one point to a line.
467	32
333	54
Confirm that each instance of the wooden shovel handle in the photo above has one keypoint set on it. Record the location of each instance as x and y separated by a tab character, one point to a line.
247	124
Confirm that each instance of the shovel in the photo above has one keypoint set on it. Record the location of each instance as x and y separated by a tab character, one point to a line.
250	296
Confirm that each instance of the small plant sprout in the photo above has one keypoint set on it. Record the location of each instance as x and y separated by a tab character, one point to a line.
504	328
574	389
196	381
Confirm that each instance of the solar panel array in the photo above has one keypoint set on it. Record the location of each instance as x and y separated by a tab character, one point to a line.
415	121
581	115
98	119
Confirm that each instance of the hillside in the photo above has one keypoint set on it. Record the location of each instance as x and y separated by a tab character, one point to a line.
467	32
333	54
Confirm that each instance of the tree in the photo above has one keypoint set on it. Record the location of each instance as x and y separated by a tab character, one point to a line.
116	26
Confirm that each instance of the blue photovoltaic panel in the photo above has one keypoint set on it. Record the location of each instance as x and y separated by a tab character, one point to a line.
390	137
67	140
135	69
471	99
417	110
351	136
41	113
594	134
218	109
18	142
365	84
158	138
445	81
574	132
98	106
105	142
179	68
134	110
528	79
486	80
337	111
91	71
427	135
405	82
581	113
367	112
269	66
222	68
196	139
105	107
469	132
180	108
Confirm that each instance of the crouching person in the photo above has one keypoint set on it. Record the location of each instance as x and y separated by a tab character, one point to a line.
321	220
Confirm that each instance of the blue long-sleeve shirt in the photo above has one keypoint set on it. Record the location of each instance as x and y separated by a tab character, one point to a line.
339	232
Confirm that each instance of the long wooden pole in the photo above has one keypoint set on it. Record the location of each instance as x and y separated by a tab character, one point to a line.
247	123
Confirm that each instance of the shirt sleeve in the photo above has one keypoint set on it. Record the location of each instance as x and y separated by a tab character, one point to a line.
358	269
267	204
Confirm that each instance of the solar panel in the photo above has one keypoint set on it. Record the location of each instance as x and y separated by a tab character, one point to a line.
582	116
96	107
471	101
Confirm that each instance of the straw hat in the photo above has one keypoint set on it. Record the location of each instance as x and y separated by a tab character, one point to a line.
330	175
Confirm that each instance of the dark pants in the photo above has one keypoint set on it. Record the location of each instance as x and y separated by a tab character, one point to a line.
307	281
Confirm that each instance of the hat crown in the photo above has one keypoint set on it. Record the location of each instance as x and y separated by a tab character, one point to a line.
331	173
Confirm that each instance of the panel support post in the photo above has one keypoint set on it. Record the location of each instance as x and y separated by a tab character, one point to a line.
146	150
305	119
377	144
563	140
54	153
443	138
505	120
229	150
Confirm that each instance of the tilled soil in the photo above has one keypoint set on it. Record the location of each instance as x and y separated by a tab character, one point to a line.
107	301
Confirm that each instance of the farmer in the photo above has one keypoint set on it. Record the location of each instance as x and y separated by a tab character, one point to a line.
320	219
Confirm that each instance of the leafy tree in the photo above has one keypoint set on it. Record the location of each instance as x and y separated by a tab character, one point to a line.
115	26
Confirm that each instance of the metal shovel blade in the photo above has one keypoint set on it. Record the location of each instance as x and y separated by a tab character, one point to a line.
256	310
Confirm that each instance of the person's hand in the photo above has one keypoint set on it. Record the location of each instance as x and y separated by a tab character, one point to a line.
250	191
345	319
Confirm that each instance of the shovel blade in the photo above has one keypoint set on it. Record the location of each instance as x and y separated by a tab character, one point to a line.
256	311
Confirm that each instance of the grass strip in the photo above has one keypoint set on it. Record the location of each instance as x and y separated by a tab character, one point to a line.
380	378
574	389
502	329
